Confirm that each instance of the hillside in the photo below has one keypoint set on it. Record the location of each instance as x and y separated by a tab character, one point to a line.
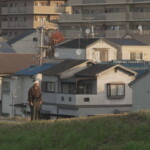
121	132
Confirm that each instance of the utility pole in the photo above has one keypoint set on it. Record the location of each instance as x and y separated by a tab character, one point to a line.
41	41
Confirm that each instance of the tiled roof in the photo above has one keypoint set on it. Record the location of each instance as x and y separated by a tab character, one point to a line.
133	64
33	70
21	36
125	41
94	70
12	62
63	66
78	43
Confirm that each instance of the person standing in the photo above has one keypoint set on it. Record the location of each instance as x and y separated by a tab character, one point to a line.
35	101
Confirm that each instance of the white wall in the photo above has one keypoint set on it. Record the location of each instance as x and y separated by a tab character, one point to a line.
26	45
69	53
49	99
141	94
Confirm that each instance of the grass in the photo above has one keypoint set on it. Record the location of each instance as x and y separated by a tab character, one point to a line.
122	132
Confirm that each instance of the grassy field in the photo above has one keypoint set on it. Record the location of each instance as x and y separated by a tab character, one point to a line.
122	132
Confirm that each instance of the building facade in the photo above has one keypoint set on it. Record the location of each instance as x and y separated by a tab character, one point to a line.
106	18
17	16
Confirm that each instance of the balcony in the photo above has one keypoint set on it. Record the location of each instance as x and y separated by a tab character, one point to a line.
26	25
16	25
70	18
119	16
98	2
33	10
140	16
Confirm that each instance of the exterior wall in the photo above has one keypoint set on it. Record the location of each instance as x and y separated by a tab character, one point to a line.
27	45
66	53
141	94
126	50
49	99
112	52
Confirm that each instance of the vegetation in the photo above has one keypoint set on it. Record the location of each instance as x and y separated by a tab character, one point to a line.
118	132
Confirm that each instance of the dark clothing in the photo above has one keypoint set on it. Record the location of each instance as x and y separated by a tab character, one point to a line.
34	94
34	97
35	110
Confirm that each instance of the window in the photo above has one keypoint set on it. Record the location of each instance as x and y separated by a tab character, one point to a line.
115	91
86	99
6	87
62	98
50	87
136	56
68	88
85	88
70	99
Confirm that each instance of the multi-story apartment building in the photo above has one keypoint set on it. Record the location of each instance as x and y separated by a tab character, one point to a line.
106	18
18	16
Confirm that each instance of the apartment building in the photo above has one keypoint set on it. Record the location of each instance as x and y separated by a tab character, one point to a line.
106	18
18	16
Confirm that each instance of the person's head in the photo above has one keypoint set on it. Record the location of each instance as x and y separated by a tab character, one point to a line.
36	83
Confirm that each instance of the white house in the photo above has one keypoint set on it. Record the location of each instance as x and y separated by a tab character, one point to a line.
103	50
15	90
50	82
90	90
141	92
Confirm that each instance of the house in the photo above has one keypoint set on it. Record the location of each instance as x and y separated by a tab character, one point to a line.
103	50
27	42
87	89
141	92
50	82
9	64
16	102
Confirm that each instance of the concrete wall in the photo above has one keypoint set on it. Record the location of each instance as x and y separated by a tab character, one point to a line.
141	94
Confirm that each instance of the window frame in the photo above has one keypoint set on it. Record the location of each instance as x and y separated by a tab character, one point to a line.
47	91
6	91
109	96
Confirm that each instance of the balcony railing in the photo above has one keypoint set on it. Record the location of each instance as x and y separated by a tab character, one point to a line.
33	10
105	2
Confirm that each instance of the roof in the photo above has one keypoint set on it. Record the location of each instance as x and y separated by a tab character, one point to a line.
77	43
12	62
125	42
142	74
21	36
94	70
133	64
145	38
6	48
33	70
63	66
